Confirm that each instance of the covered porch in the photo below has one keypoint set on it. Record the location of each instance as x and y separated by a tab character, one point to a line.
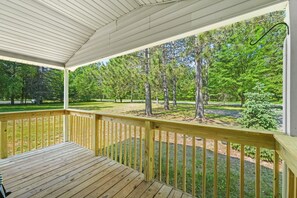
69	170
71	153
104	155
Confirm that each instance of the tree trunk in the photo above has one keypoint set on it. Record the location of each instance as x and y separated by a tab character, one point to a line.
242	99
164	79
147	86
199	111
174	92
12	99
121	100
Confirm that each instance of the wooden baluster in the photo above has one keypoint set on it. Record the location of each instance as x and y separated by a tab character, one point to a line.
149	151
54	129
130	146
70	128
125	145
276	175
95	133
103	137
81	130
13	137
84	132
29	134
290	183
3	140
215	172
184	185
78	130
116	141
22	136
42	131
193	166
121	150
175	160
90	134
48	130
135	148
61	129
241	170
204	169
74	128
258	174
112	141
88	142
295	187
140	151
160	155
36	133
99	123
167	157
108	142
228	170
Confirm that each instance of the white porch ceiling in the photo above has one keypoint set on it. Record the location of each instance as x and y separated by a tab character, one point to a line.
72	33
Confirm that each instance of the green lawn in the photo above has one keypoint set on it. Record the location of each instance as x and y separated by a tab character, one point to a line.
249	168
184	112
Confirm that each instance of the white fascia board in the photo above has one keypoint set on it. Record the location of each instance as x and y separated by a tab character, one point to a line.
9	56
160	27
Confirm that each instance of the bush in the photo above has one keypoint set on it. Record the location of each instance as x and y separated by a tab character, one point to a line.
258	112
250	151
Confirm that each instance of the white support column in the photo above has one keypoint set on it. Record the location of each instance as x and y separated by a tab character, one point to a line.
66	104
290	81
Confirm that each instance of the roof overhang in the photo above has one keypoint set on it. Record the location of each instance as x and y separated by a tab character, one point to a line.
70	34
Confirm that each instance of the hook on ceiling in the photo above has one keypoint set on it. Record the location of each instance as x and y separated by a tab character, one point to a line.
281	23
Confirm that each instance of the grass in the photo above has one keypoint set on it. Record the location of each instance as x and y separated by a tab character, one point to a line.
184	112
249	167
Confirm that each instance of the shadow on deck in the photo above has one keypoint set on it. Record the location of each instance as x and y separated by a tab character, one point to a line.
68	170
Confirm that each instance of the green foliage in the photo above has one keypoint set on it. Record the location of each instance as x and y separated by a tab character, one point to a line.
237	66
250	151
84	83
258	112
231	67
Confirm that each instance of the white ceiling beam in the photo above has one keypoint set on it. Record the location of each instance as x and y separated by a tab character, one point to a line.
159	24
9	56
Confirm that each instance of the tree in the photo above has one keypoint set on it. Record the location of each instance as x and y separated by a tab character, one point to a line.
163	65
148	100
237	66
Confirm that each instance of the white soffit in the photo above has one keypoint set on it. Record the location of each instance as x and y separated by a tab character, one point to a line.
74	33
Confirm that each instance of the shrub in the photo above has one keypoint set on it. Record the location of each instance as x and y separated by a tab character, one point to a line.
250	151
258	112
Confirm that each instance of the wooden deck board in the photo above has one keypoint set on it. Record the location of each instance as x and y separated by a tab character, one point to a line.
68	170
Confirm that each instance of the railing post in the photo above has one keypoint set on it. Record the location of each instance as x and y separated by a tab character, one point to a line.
149	151
95	136
3	139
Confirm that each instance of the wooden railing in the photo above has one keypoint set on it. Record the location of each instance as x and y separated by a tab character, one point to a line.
286	146
26	131
194	158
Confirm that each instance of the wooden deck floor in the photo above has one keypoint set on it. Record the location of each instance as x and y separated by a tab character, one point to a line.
68	170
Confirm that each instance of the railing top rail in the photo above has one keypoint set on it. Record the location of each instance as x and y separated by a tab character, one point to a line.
172	122
263	139
35	113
